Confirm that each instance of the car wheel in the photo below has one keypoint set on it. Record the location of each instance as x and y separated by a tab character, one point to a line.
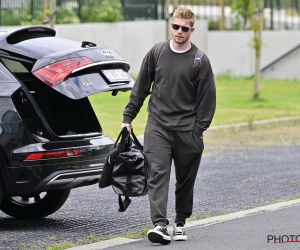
35	206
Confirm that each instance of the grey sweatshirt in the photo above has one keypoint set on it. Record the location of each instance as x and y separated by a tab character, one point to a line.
172	105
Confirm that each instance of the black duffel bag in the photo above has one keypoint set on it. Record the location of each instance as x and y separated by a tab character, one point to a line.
126	169
130	172
119	147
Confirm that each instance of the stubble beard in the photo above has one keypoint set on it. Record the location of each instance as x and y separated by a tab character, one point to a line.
183	40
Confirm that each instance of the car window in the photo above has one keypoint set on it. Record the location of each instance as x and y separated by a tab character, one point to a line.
5	75
13	66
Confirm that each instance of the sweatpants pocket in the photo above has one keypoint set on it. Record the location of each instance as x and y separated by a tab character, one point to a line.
199	139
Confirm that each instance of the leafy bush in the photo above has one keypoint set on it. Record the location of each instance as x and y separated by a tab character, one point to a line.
36	19
213	25
10	17
107	11
100	11
66	15
21	16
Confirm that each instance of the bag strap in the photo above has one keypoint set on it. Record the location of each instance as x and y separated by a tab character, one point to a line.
197	63
125	138
196	68
119	136
136	141
123	205
157	50
124	135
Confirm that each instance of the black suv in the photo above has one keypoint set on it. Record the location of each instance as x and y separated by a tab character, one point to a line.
50	138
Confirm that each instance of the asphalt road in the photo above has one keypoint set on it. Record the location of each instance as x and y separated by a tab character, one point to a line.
239	170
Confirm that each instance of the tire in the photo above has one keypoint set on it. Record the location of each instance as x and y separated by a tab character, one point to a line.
1	181
1	188
34	207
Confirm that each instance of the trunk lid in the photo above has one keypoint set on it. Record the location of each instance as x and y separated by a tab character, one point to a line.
74	69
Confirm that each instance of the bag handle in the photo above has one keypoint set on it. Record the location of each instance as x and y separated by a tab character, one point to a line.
124	135
116	142
136	141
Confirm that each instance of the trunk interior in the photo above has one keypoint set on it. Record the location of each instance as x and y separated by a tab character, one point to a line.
64	115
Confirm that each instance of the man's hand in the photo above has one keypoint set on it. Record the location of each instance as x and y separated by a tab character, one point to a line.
128	126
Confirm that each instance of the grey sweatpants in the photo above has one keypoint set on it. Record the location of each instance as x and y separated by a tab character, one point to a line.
160	147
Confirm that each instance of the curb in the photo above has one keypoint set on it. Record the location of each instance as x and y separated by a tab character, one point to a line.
104	244
241	214
194	224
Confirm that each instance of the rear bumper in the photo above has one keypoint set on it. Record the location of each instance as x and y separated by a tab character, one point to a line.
73	178
27	177
70	179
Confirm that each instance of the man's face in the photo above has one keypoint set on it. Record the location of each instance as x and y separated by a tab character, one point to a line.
180	36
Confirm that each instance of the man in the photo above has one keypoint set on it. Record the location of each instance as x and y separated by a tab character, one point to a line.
180	110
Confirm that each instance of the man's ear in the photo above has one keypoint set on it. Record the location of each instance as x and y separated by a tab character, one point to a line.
192	30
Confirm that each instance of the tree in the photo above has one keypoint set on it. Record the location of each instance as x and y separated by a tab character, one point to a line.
222	17
252	11
243	10
256	26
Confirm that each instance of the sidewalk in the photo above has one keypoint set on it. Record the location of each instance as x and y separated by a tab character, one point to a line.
268	227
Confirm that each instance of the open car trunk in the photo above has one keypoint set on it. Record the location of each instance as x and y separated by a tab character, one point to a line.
65	116
58	75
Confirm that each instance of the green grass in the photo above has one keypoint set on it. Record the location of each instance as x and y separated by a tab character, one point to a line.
91	239
278	98
137	235
61	246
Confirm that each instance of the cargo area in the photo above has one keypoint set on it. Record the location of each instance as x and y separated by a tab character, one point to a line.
64	115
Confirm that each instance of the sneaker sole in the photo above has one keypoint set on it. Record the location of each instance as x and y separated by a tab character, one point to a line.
179	238
156	237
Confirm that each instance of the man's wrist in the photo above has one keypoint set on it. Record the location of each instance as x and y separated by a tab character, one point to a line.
127	119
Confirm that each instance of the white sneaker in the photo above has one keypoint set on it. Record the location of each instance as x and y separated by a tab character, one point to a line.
179	232
159	235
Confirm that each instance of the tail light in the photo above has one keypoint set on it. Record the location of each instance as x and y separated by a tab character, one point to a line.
58	72
53	154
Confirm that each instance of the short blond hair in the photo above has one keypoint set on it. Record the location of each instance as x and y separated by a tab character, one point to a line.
185	13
